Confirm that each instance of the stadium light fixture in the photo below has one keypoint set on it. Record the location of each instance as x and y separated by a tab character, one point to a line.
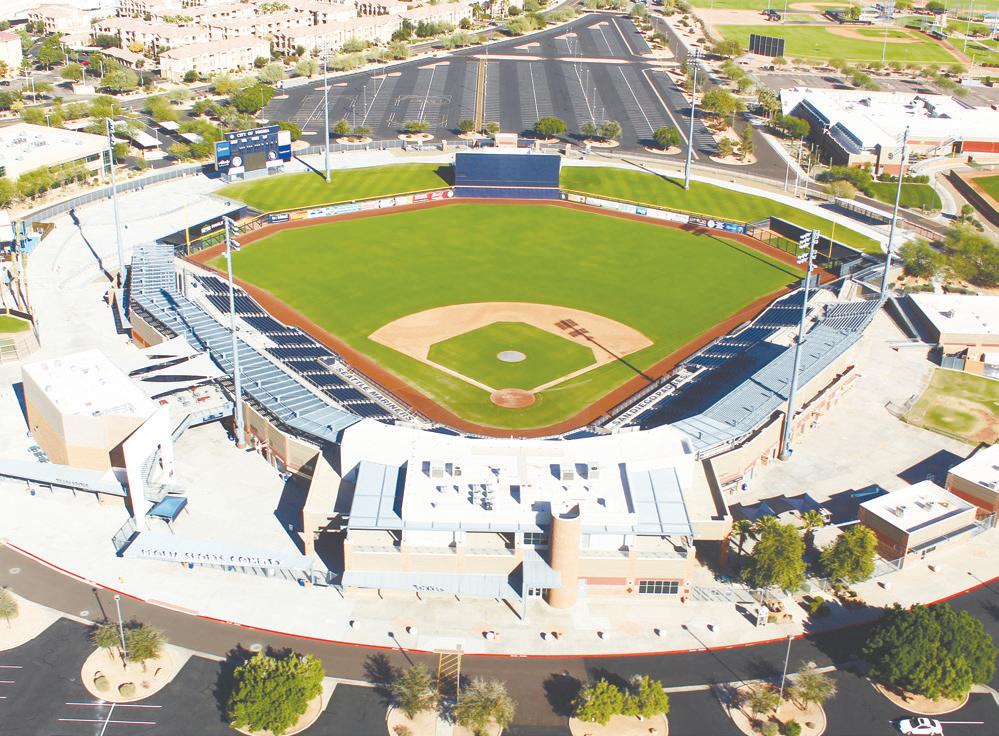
694	58
806	253
237	412
894	215
114	205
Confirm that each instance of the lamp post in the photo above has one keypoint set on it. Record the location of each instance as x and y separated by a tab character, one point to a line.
787	657
237	411
114	206
894	216
326	108
807	240
693	58
121	626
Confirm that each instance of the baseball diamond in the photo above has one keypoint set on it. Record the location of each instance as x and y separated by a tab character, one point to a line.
595	302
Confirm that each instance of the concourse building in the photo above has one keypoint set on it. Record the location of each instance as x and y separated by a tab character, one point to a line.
514	519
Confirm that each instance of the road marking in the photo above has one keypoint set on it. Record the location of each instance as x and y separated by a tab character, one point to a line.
624	38
534	91
107	721
666	107
430	84
637	102
6	682
119	705
11	667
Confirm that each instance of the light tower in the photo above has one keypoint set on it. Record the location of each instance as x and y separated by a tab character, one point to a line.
894	216
693	58
237	412
114	206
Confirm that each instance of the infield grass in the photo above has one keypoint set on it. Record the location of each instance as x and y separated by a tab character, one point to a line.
354	276
817	42
547	356
960	405
990	184
13	324
702	198
309	189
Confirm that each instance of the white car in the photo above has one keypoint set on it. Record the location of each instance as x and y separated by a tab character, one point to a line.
920	727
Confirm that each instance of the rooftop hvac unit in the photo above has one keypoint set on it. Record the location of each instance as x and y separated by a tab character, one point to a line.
567	472
898	510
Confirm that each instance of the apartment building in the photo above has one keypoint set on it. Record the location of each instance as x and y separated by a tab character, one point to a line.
213	57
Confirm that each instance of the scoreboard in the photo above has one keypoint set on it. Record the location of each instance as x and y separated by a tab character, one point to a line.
254	149
771	46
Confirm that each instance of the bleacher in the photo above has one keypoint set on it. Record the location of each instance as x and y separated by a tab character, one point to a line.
850	316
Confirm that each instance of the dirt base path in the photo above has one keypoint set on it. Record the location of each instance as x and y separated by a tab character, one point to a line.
428	407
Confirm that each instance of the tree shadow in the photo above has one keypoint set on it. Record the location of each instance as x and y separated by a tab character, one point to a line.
762	669
380	672
226	679
561	690
612	677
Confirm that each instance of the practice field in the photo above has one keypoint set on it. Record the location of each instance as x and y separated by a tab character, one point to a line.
305	190
13	324
511	355
707	199
650	287
819	42
960	405
990	184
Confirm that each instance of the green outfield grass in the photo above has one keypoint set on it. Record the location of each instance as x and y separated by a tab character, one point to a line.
354	276
915	196
817	42
548	356
13	324
990	184
707	199
960	405
305	190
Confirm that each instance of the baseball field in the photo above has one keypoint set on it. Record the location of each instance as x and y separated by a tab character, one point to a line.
513	316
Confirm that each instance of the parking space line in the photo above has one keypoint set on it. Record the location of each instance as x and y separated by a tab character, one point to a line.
107	721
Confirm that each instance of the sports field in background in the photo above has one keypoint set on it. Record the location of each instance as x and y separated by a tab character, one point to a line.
915	196
820	43
13	324
960	405
990	184
355	276
708	199
305	190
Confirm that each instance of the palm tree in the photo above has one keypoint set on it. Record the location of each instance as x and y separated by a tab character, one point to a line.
764	523
810	521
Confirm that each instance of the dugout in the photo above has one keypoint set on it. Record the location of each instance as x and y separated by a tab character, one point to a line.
508	175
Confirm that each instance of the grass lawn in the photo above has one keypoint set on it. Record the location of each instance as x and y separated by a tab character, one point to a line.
13	324
354	276
990	184
306	190
959	404
707	199
731	4
914	196
548	356
816	42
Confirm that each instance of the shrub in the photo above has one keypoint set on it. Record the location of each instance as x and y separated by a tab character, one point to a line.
126	689
272	693
792	728
8	606
413	690
101	683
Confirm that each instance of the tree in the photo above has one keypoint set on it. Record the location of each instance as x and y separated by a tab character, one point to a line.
793	127
777	559
252	100
106	636
742	529
8	192
50	52
120	80
648	698
107	41
466	126
763	700
720	102
104	106
854	12
667	137
936	6
725	147
746	145
610	130
810	521
920	258
415	126
224	84
589	129
596	703
973	256
841	189
341	126
296	131
72	72
143	643
191	76
851	556
306	67
272	693
550	127
413	690
8	606
397	50
492	127
769	101
812	686
729	47
482	703
931	651
360	131
271	73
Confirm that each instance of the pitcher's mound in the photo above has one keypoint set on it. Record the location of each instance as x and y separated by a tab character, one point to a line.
512	398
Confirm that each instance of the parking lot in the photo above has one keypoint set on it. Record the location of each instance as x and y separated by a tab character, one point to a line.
597	68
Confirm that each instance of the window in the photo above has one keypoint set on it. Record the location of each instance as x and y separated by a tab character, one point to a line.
535	539
536	592
658	587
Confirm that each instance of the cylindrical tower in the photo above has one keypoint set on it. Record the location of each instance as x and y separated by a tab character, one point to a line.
563	551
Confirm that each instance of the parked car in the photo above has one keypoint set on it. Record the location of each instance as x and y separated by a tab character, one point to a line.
920	727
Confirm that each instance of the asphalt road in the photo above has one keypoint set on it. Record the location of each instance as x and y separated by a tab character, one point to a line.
542	687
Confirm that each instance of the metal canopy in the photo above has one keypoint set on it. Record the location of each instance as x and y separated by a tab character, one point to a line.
62	476
657	499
